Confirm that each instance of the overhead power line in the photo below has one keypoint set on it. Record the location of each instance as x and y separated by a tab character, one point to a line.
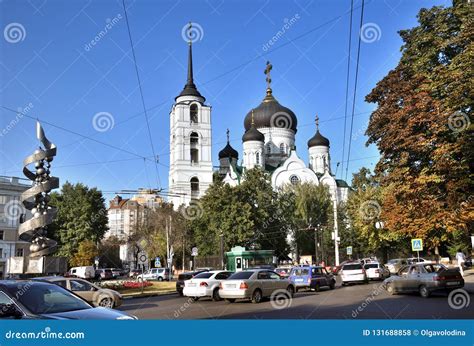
355	86
347	89
141	94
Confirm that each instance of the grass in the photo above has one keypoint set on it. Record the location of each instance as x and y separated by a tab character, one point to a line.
156	288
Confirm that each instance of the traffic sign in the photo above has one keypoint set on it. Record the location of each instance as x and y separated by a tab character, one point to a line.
417	244
194	251
349	250
157	262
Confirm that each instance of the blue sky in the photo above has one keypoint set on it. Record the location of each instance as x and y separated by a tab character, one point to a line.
50	69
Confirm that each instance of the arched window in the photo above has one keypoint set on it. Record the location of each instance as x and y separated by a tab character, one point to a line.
269	148
194	151
294	179
194	185
193	113
282	148
257	158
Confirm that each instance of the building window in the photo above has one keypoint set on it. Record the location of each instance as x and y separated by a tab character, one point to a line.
257	158
1	253
282	148
194	113
194	185
1	234
269	149
294	179
19	252
194	140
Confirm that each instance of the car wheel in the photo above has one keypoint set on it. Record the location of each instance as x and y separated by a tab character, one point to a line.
215	295
139	279
106	302
390	289
257	296
332	285
195	299
424	292
291	291
343	283
230	300
160	278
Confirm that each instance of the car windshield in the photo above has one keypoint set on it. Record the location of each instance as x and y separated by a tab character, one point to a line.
240	276
204	276
43	298
300	271
352	267
372	265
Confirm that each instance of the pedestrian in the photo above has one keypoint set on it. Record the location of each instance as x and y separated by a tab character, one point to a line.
461	258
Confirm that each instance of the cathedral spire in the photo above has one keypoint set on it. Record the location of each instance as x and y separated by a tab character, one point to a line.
190	88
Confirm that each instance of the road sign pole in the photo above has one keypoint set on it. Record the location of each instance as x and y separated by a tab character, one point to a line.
418	256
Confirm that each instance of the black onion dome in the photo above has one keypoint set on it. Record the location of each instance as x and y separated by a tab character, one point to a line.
318	140
253	135
227	152
270	113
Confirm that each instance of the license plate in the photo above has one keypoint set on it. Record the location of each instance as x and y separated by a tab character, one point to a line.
231	286
299	280
191	285
452	283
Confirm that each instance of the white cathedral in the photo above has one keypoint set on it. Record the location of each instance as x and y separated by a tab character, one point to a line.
268	142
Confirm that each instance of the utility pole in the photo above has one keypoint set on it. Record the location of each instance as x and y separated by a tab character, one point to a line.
222	250
336	231
168	249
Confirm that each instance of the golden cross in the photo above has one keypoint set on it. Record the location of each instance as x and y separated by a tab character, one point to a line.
268	68
317	122
227	135
189	32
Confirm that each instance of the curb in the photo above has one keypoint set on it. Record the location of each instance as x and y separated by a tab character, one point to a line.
147	295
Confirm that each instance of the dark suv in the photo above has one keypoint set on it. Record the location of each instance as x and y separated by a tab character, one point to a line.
186	276
312	277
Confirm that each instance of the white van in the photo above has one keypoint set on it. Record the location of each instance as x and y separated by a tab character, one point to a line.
86	272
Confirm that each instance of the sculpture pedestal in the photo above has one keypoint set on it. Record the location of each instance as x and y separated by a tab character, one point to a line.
38	265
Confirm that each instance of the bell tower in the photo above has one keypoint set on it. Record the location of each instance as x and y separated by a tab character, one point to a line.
190	142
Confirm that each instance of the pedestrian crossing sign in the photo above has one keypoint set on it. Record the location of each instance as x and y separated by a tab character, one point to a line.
417	244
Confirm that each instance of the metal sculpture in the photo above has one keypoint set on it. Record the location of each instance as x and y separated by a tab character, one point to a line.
36	199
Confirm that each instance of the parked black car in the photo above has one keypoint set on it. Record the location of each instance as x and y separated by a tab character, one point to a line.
186	276
43	300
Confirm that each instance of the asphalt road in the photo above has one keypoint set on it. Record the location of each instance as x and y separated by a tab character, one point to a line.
358	301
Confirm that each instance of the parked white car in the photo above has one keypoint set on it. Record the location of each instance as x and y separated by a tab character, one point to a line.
205	284
353	272
85	272
158	274
376	271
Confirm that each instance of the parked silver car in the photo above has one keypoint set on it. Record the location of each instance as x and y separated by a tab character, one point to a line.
425	279
255	285
394	265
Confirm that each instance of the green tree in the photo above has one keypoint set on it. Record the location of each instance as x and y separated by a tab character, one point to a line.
82	215
423	128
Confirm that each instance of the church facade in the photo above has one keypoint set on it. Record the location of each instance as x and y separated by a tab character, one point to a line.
268	142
